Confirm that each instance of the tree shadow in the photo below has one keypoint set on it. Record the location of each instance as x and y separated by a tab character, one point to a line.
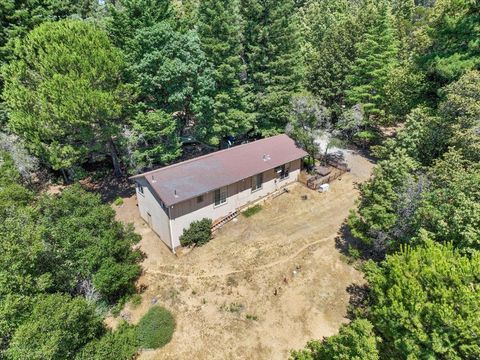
359	301
110	187
346	243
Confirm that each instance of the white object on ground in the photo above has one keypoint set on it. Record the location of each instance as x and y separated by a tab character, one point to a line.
323	188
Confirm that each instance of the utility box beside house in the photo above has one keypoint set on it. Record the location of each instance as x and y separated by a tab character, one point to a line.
324	188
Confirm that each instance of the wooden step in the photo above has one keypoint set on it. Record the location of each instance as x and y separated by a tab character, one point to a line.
218	224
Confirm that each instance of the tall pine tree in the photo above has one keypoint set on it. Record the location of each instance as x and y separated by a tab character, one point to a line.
273	58
376	56
330	32
220	35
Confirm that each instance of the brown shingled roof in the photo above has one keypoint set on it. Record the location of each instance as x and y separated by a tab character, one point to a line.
191	178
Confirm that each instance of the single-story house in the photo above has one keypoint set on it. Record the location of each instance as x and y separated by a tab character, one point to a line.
215	185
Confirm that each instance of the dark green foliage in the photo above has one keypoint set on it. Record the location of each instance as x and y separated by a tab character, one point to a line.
330	35
425	303
377	211
450	211
12	193
376	57
461	110
121	344
198	233
454	31
114	278
129	16
404	90
423	137
154	140
355	341
252	210
171	72
155	329
66	240
221	39
57	328
271	40
64	91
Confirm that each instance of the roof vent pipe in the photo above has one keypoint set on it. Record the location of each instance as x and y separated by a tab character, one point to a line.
175	193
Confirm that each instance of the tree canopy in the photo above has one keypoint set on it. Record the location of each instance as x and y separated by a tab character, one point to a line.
64	90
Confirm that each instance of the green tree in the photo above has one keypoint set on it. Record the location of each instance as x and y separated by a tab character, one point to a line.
12	194
219	26
310	121
330	33
454	29
272	56
376	56
355	341
450	210
154	140
129	16
425	303
121	344
57	328
424	137
171	72
461	110
404	90
377	212
67	243
65	93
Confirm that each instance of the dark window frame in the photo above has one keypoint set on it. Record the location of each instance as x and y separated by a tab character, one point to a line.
218	199
255	182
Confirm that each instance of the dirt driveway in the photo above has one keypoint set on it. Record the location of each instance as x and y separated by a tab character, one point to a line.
263	286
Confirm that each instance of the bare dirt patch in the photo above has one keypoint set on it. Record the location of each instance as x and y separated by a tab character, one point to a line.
263	286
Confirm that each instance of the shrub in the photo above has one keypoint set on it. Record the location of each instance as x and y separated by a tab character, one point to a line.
115	279
198	233
136	300
156	328
57	328
121	344
118	201
252	211
353	252
356	340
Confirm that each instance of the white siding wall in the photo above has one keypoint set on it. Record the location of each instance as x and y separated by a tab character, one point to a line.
239	194
148	203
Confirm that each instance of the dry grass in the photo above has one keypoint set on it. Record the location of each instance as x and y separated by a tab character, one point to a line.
263	286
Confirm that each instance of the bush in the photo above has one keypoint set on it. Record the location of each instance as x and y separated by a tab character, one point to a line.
198	233
156	328
118	201
252	211
121	344
114	280
57	328
356	340
136	300
353	252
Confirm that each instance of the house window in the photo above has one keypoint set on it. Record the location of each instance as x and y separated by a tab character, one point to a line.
220	196
282	172
140	189
199	199
257	182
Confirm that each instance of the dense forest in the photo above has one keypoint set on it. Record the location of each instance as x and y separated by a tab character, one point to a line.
132	82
